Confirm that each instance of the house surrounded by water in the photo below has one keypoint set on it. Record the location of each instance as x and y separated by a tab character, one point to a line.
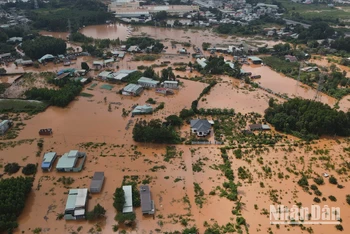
76	204
201	127
73	161
147	204
48	161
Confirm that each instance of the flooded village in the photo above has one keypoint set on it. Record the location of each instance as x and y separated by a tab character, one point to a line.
159	124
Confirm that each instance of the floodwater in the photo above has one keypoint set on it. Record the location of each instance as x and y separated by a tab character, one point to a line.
104	31
91	120
281	84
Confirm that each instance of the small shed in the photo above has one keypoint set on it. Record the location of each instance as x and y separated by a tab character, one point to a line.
132	90
255	60
97	64
128	208
265	127
97	182
147	204
48	161
147	82
170	84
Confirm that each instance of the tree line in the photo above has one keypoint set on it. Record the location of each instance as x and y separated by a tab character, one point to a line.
13	194
69	89
41	45
307	119
80	12
155	132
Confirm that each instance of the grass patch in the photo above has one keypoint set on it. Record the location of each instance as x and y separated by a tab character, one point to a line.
17	106
146	57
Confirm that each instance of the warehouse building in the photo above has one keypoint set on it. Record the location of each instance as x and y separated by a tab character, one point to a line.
148	82
132	90
128	208
76	204
70	161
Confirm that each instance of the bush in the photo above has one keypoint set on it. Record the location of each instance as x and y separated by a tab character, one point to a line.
317	200
30	169
339	227
348	199
333	180
332	198
303	182
119	199
318	192
319	180
11	168
96	213
313	187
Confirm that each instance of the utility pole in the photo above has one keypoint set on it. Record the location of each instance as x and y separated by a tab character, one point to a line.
317	96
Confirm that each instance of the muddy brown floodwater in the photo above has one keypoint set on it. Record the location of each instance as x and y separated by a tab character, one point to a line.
172	186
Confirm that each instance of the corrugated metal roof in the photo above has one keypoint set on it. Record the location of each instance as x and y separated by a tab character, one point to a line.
76	198
104	73
131	88
148	80
66	162
128	199
254	58
170	82
146	201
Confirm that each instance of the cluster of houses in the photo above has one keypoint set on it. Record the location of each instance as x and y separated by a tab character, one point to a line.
77	199
72	161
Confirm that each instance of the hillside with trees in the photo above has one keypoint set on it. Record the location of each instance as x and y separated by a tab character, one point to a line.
13	194
41	45
308	119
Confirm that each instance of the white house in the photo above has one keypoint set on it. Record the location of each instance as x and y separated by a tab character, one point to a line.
170	84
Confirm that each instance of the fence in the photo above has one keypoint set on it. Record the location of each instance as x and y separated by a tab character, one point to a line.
205	143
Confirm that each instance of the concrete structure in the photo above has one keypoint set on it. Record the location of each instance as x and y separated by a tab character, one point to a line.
68	161
97	182
140	110
147	204
132	90
48	161
200	126
170	84
148	82
132	9
128	208
76	204
255	60
202	62
4	126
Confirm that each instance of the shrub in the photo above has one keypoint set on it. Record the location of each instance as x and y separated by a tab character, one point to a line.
11	168
317	200
313	187
339	227
333	180
30	169
348	199
96	213
318	192
332	198
319	180
303	182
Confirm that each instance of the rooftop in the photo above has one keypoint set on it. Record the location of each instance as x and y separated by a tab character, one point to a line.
146	201
132	88
148	80
201	125
76	198
254	58
128	199
68	160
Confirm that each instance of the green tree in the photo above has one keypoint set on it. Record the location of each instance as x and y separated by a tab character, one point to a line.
29	169
85	66
119	199
44	45
96	213
150	73
174	120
